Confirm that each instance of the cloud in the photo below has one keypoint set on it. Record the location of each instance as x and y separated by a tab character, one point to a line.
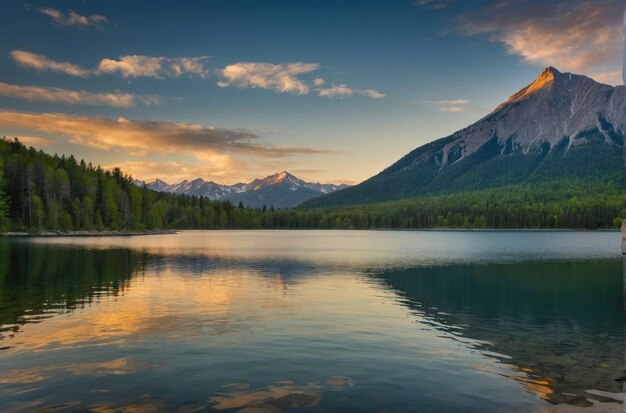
371	93
54	94
451	106
224	169
433	4
42	63
146	137
173	171
132	66
582	36
127	66
35	141
73	19
341	91
308	171
284	78
149	66
610	77
280	78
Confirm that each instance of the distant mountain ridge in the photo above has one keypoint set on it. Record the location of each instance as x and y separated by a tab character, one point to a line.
281	190
562	126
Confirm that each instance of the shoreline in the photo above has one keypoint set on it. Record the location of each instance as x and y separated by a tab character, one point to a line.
112	233
415	229
105	233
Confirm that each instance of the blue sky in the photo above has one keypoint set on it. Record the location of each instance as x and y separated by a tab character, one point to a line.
333	91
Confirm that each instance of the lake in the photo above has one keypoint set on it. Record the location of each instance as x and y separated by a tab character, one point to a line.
312	321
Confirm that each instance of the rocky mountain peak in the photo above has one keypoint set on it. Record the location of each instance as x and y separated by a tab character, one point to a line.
560	125
157	184
546	77
543	82
279	190
554	106
282	175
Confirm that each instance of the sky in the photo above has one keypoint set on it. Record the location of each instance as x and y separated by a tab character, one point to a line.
232	90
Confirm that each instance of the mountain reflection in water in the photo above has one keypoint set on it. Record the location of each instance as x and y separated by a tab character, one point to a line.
554	324
112	328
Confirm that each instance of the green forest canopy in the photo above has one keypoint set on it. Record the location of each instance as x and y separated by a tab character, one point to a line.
50	192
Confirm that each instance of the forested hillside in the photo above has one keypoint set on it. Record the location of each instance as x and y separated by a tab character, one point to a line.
561	204
41	191
49	192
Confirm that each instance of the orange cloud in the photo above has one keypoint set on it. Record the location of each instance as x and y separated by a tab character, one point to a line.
150	66
581	36
42	63
73	19
218	168
284	78
126	66
146	137
281	78
35	141
55	94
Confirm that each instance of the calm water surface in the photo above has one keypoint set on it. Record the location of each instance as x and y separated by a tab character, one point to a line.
311	321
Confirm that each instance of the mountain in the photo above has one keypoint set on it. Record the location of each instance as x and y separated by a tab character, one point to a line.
562	126
281	190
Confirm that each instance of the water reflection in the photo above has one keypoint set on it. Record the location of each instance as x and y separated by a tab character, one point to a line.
38	281
116	327
555	326
114	367
280	395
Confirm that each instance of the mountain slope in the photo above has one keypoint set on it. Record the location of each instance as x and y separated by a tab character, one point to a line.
560	127
281	190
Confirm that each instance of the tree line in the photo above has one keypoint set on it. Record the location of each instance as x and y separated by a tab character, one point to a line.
50	192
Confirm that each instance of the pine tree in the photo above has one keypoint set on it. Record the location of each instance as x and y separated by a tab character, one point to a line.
4	222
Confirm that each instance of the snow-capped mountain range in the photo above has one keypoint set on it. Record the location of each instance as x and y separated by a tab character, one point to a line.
281	190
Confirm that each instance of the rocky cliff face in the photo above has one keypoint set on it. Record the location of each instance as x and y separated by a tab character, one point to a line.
555	106
560	126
